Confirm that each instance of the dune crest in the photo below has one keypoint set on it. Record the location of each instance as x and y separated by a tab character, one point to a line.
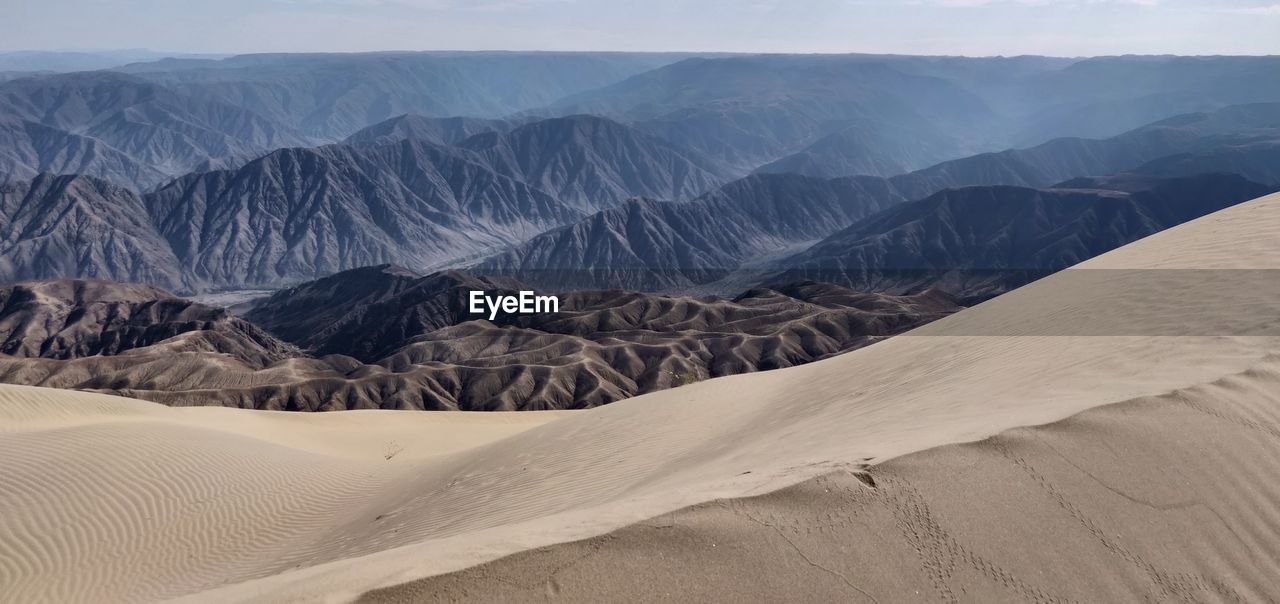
111	499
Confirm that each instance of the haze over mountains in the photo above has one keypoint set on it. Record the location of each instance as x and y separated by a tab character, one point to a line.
327	97
978	242
442	130
517	194
650	245
751	110
28	62
1256	126
741	111
655	245
155	126
302	213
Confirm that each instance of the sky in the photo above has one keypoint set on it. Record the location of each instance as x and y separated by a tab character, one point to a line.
951	27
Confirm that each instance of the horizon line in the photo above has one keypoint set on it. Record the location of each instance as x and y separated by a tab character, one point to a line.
218	56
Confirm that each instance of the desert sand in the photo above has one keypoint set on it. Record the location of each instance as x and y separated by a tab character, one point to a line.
1151	473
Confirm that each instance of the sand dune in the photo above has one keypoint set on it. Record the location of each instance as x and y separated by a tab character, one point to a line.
1139	501
1169	493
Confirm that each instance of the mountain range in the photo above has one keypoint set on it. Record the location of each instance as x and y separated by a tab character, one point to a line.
748	111
29	62
518	200
760	221
593	163
850	197
327	97
753	110
81	226
154	126
654	245
1255	126
822	115
301	213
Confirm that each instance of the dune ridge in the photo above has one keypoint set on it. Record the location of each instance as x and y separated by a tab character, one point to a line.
1133	498
131	501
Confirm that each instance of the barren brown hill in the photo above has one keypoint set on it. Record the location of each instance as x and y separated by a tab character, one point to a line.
408	343
607	345
370	311
72	319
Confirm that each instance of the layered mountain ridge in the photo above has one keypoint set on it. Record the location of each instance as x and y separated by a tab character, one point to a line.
301	213
55	226
831	115
593	163
711	245
150	125
978	242
654	245
512	178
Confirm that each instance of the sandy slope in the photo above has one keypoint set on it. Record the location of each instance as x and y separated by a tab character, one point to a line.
1139	501
110	499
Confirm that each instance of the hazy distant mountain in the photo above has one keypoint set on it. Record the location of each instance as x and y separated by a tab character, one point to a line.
29	148
1257	160
652	245
1060	159
331	96
156	127
61	226
1103	96
750	110
975	242
5	76
585	161
176	115
593	163
753	110
305	213
63	61
298	214
858	150
441	130
817	115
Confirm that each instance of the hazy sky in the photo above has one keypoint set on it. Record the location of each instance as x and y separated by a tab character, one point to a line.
970	27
